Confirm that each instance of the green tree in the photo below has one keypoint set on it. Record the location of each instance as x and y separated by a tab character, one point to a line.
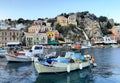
44	23
21	20
109	26
102	19
59	28
10	21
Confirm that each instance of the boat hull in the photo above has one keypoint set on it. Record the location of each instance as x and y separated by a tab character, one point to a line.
1	55
18	59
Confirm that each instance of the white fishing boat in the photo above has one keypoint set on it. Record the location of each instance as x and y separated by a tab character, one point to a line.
60	67
18	58
61	64
21	56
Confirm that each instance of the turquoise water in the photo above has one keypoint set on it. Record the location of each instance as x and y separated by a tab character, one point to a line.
107	70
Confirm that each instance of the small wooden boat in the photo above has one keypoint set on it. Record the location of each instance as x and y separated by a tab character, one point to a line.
25	55
59	67
72	60
21	56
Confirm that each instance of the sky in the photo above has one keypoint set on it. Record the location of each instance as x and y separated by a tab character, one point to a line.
34	9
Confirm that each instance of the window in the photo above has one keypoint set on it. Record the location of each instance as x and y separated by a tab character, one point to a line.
2	33
5	38
2	38
5	33
17	33
10	33
37	48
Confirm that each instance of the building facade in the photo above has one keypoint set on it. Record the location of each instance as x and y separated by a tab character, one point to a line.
116	32
36	28
62	20
9	36
33	28
35	39
72	20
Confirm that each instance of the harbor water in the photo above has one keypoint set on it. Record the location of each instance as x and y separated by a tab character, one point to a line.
107	70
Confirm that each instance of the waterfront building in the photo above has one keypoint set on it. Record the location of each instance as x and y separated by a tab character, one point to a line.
9	35
109	40
35	38
105	40
38	34
43	38
29	39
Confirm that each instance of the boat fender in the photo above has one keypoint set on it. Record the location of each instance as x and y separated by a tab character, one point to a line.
94	64
68	68
92	60
80	66
32	58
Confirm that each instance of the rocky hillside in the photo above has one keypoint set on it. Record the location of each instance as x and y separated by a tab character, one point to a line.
94	27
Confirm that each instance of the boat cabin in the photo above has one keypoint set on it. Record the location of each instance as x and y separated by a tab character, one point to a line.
37	49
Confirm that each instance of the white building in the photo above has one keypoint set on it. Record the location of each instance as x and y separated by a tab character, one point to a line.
107	40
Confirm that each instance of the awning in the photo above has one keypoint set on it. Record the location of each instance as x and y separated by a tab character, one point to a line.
61	41
53	42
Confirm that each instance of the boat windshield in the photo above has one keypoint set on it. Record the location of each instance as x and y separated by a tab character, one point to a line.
37	48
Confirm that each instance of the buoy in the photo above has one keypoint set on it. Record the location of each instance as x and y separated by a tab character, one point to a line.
94	64
80	66
32	58
68	68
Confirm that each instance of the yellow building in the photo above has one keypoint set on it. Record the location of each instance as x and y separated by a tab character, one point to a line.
51	35
62	20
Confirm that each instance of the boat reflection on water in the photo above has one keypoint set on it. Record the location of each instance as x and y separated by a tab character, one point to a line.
17	65
19	73
79	76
